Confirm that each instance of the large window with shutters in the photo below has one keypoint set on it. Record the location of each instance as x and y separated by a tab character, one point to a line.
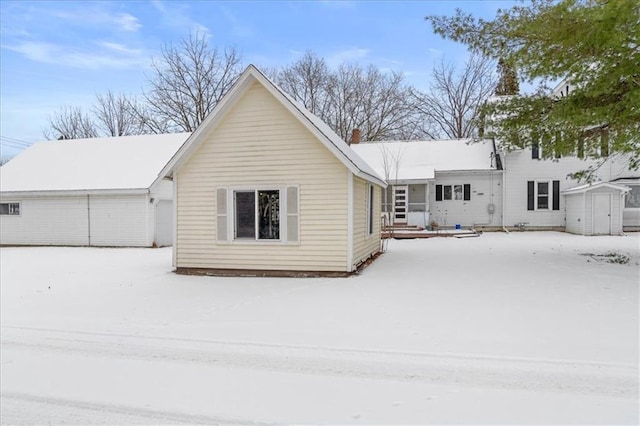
543	195
262	214
453	192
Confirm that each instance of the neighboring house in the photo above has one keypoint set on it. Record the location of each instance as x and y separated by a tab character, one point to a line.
534	189
89	192
263	187
440	183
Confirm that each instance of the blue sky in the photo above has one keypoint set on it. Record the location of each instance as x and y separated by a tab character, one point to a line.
63	53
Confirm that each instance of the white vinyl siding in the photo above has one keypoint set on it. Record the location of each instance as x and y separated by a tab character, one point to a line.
80	220
260	142
485	190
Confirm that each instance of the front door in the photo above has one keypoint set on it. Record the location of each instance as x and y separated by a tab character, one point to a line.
601	214
400	204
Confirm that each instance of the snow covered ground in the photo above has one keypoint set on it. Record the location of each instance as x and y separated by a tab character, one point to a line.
520	328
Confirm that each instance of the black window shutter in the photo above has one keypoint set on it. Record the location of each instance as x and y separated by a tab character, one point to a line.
467	192
530	195
438	192
556	195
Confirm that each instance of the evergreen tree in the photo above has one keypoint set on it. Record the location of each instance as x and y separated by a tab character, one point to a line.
595	44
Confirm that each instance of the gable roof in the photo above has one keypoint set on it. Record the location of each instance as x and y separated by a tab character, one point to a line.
419	160
317	127
592	186
113	163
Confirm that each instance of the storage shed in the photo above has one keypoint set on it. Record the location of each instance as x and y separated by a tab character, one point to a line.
595	209
89	192
263	187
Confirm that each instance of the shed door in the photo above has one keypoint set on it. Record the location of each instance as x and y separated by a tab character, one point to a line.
400	204
601	214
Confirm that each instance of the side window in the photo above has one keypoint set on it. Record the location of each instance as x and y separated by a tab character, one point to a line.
453	192
257	214
370	209
10	209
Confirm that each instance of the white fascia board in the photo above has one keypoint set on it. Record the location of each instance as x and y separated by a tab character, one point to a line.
78	192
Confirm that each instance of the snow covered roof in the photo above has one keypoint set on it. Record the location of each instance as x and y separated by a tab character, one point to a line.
320	129
114	163
419	160
592	186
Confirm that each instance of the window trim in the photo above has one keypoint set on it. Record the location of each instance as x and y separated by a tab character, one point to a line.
465	192
553	195
256	222
370	195
283	213
10	211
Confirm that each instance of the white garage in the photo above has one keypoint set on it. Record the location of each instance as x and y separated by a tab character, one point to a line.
89	192
595	209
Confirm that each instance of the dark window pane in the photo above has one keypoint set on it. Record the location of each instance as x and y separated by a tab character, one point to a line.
269	215
543	188
447	192
457	192
245	214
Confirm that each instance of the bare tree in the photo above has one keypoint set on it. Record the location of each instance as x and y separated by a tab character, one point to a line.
70	123
116	115
380	104
307	81
452	104
188	81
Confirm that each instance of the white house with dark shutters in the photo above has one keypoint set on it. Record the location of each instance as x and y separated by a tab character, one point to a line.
536	191
440	183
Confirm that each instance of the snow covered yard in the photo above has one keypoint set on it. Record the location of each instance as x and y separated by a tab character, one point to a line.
520	328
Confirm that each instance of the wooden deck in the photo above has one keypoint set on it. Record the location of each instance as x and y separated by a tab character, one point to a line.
410	232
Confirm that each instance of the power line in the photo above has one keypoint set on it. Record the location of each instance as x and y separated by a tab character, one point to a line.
15	140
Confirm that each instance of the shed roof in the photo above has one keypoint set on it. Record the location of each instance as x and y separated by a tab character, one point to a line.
419	160
591	186
316	126
113	163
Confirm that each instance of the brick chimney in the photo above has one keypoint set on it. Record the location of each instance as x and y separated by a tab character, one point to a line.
355	136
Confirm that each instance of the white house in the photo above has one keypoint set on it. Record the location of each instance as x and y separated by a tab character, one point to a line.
263	187
535	189
89	192
438	182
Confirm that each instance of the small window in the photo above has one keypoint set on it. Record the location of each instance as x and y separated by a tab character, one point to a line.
457	192
10	209
453	192
535	150
632	201
257	214
447	192
370	210
543	195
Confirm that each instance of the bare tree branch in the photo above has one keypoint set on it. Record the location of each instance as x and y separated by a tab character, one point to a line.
188	82
453	101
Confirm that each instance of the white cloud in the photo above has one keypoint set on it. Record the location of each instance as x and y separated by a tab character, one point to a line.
347	55
175	15
98	16
112	55
128	22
